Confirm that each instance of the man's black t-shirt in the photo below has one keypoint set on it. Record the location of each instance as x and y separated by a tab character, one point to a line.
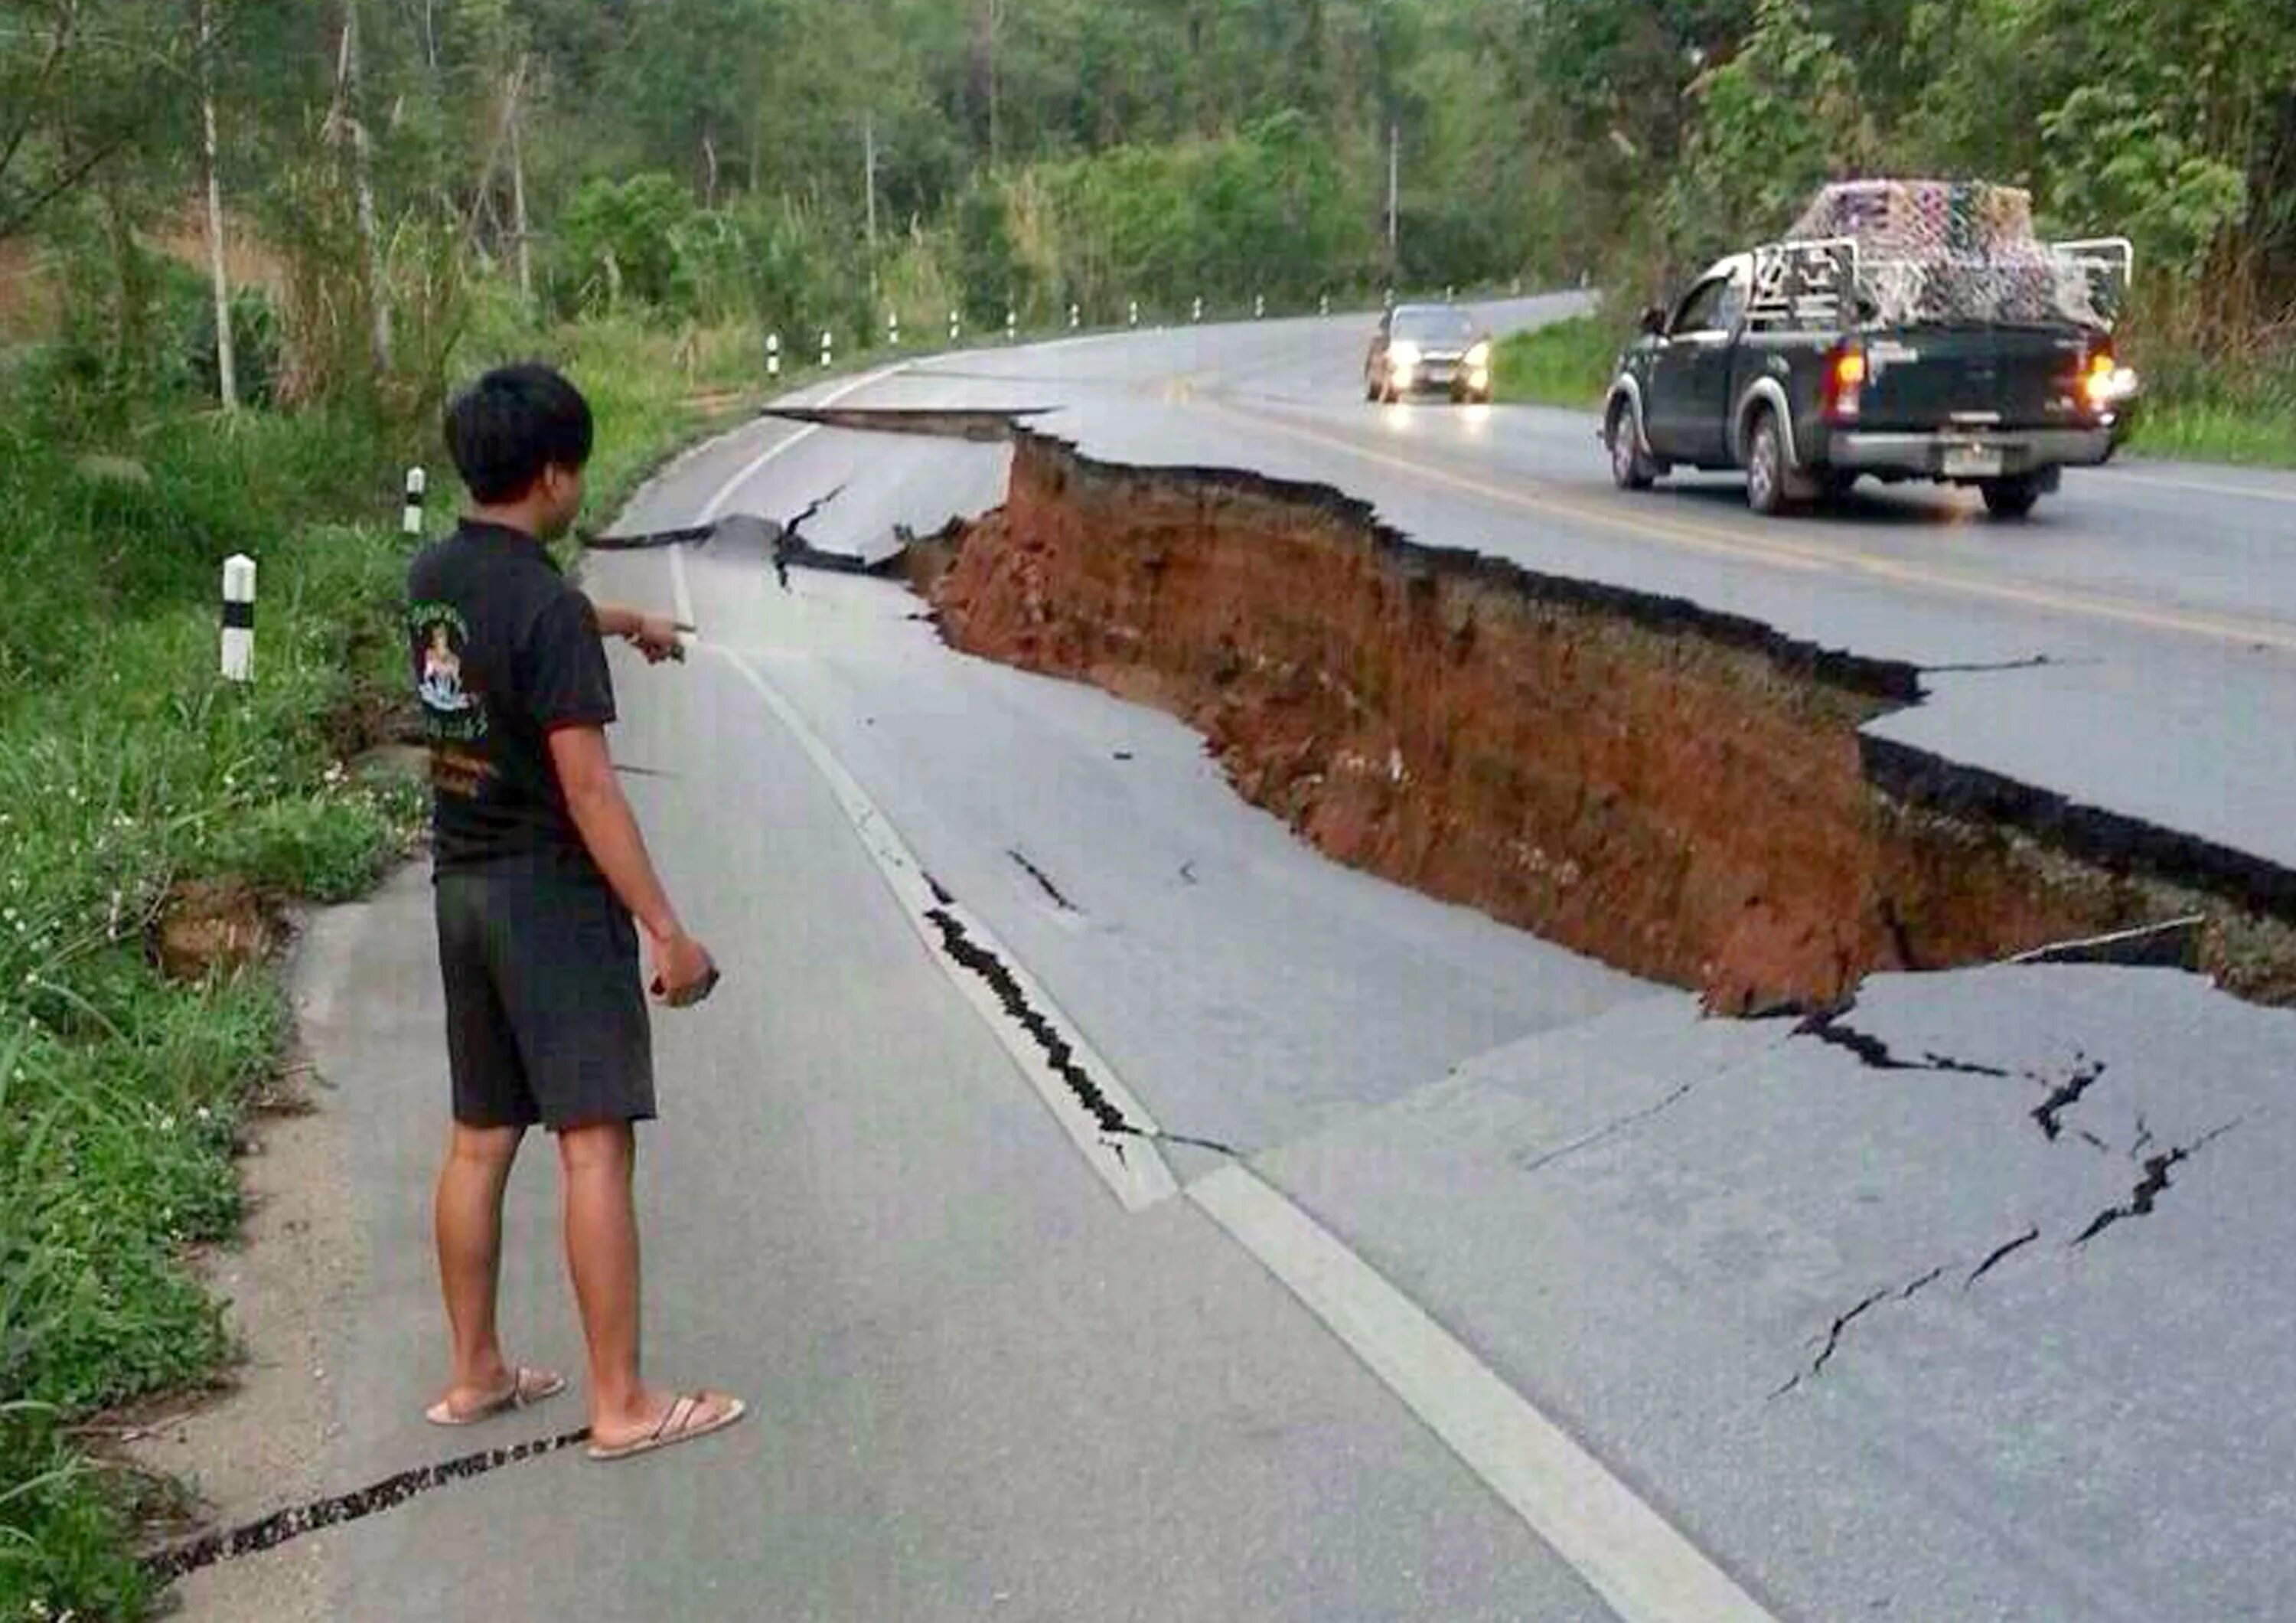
503	651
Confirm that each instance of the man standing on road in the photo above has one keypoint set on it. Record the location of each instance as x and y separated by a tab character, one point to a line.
543	885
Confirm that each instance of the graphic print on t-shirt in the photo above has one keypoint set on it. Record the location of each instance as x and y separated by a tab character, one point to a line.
452	713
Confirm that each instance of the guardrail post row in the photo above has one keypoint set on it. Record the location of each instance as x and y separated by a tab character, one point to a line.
239	618
410	516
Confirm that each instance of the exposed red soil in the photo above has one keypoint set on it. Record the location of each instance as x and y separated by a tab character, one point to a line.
1681	800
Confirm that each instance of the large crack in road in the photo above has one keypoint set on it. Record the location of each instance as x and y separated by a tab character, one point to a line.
1686	794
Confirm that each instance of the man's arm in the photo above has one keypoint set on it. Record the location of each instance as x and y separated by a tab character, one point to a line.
655	634
594	799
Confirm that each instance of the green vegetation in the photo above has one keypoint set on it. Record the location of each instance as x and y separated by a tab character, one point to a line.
1564	362
127	768
128	772
2208	431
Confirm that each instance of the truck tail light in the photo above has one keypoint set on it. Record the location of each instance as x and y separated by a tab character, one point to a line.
2105	383
1845	383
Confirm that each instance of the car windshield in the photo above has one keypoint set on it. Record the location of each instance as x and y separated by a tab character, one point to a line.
1434	327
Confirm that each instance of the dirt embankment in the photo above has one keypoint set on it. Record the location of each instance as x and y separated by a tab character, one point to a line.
1680	793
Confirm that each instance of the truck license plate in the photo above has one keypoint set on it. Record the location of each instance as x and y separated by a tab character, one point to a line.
1971	462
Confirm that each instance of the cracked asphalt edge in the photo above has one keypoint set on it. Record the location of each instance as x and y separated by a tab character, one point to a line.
1113	1129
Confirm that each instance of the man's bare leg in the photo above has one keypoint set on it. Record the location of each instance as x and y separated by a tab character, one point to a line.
596	1162
467	1218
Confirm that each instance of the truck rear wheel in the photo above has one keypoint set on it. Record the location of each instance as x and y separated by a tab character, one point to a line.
2011	497
1630	470
1765	466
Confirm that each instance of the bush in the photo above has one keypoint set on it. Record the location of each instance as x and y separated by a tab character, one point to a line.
1565	363
619	243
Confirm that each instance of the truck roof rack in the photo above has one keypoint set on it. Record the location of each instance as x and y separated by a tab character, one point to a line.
1804	283
2110	265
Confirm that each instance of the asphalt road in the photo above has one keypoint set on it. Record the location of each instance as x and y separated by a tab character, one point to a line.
1515	1290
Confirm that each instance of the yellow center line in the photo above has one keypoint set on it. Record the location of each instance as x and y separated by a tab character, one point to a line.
1537	496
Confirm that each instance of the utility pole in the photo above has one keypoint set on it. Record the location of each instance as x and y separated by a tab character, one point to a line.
227	367
869	178
1394	186
518	180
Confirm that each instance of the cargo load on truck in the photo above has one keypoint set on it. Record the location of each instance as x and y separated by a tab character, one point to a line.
1961	250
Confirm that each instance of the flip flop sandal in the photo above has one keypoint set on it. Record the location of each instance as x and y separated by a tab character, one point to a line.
527	1386
682	1424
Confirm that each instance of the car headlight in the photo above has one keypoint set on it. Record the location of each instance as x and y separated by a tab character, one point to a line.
1479	355
1403	356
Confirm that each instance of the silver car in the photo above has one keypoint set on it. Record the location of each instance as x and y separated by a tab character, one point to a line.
1428	348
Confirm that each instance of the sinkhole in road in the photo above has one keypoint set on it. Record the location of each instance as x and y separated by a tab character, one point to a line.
1685	794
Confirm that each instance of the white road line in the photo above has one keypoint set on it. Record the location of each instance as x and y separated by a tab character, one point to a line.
1644	1571
2213	487
681	592
742	476
1640	1565
1132	1167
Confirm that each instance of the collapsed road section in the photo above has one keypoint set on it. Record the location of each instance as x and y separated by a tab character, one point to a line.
1686	794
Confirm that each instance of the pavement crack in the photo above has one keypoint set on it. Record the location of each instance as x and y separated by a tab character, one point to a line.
276	1529
2000	1254
1612	1129
2031	661
1060	1054
1214	1145
1874	1054
2153	1184
2050	1113
1844	1320
1044	880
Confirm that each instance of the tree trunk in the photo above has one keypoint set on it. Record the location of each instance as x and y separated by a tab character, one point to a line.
227	361
347	102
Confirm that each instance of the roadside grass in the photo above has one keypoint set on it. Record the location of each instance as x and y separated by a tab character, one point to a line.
2258	435
129	771
1564	362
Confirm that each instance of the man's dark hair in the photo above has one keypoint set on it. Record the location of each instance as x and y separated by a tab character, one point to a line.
514	422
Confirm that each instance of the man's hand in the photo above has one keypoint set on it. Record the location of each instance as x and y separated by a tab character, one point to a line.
656	637
683	972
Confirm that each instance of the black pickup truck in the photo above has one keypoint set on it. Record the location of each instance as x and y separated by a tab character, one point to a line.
1809	365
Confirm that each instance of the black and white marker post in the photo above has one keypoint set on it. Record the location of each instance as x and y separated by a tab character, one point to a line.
239	618
410	517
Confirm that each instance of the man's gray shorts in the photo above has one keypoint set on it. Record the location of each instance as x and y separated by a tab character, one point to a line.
545	1000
